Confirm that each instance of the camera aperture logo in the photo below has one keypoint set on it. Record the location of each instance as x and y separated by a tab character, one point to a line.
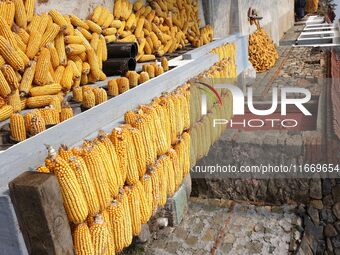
265	115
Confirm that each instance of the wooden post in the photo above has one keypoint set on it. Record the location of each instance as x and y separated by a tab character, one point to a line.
41	215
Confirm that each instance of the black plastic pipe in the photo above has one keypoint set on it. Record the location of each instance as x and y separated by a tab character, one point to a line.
119	66
122	50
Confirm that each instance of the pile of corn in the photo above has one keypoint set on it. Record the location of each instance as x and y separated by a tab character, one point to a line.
42	57
202	132
262	51
160	27
113	184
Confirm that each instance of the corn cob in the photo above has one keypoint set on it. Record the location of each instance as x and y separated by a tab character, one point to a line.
77	95
112	88
29	7
99	177
20	13
42	68
5	112
150	69
21	45
75	70
100	95
75	49
100	235
44	21
2	102
110	38
73	39
84	178
143	77
110	31
77	22
67	80
116	24
123	84
60	47
134	205
54	55
133	78
93	61
102	137
14	100
5	89
39	101
66	113
147	187
58	74
123	198
11	55
116	216
104	48
159	70
162	168
84	32
58	18
56	103
145	207
10	76
37	125
17	125
155	188
5	31
118	138
63	151
50	116
82	240
50	34
89	99
50	89
176	167
112	181
138	145
2	61
147	57
94	27
7	10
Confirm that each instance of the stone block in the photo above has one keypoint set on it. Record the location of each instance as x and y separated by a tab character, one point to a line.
177	206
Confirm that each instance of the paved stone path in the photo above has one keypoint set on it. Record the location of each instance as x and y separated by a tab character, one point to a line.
218	227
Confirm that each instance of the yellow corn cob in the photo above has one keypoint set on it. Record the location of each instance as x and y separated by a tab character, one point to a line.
58	74
112	88
50	116
104	48
77	95
76	71
44	21
77	22
99	177
161	166
112	180
143	77
97	12
74	200
118	138
102	137
58	18
63	150
13	99
150	69
103	17
75	49
140	149
94	41
130	38
50	34
100	235
10	76
56	103
116	216
123	198
54	55
5	112
17	125
21	45
73	39
22	34
29	7
34	24
33	45
2	61
100	95
89	100
20	13
23	56
110	38
147	57
5	89
176	167
116	24
66	113
85	33
50	89
145	207
134	205
39	101
110	31
84	178
82	240
37	125
93	61
94	27
42	68
5	31
123	84
60	46
159	70
7	10
67	80
11	55
108	21
155	189
133	78
27	79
